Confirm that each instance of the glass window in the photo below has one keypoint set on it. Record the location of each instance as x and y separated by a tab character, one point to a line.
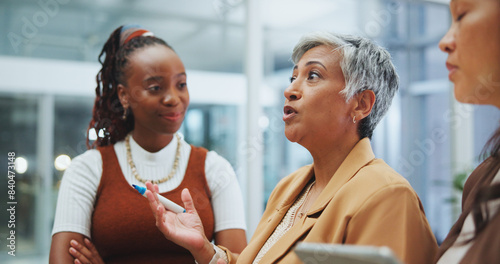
18	116
213	127
72	117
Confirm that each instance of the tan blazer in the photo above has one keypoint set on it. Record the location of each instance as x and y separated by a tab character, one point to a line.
365	203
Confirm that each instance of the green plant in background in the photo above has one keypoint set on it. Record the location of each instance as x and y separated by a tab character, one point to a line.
459	180
457	184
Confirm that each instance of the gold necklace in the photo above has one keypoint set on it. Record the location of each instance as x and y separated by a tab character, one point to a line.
134	169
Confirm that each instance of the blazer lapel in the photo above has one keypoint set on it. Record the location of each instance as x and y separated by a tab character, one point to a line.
359	156
288	240
271	219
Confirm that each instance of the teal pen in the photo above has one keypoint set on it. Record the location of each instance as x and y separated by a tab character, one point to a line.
169	205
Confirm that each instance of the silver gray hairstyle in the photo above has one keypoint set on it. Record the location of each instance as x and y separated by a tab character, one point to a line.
365	65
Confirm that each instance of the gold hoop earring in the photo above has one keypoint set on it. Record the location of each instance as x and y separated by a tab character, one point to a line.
354	119
124	116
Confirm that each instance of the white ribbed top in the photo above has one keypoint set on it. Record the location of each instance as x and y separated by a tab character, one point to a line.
79	184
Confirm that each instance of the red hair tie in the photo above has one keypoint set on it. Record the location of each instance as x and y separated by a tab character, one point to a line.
132	31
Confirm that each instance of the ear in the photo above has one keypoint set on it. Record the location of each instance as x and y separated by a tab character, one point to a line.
123	96
364	102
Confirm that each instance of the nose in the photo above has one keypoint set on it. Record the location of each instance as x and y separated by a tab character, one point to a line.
447	43
292	92
171	97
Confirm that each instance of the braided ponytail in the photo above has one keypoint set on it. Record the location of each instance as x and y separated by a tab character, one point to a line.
107	112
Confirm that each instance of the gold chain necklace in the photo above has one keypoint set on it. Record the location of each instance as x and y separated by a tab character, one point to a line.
162	180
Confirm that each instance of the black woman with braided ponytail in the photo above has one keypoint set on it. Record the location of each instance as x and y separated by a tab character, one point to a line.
141	101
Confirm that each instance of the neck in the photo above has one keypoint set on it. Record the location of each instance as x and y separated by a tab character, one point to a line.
328	158
152	142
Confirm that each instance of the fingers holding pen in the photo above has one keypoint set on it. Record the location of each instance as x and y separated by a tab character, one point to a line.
154	203
187	200
152	192
152	195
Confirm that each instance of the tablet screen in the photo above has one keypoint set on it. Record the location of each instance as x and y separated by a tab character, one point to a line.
344	254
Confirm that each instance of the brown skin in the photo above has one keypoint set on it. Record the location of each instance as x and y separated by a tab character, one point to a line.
157	94
59	249
85	253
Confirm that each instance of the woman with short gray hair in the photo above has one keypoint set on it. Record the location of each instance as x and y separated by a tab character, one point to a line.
365	65
341	86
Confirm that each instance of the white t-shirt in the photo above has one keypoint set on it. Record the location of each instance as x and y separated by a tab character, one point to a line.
459	248
75	203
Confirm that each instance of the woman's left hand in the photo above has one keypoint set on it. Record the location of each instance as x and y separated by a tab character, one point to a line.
86	254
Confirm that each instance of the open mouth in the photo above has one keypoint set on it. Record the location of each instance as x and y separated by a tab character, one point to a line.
288	113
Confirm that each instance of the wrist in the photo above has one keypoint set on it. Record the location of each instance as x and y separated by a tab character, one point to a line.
205	254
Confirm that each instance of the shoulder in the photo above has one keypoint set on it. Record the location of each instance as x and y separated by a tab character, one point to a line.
379	174
84	167
377	179
478	176
219	173
90	157
213	159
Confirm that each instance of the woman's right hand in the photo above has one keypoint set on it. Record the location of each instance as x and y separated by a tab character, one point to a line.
184	229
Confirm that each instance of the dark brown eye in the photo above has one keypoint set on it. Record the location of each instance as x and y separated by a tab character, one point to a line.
313	75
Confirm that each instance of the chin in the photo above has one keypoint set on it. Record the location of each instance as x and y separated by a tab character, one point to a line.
466	95
290	136
462	95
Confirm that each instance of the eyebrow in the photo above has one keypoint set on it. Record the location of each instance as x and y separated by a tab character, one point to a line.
158	78
315	62
310	63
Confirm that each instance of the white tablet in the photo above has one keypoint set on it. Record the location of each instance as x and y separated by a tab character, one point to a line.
344	254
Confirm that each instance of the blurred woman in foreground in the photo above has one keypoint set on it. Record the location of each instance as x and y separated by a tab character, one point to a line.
473	47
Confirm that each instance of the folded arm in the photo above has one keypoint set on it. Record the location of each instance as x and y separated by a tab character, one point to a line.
60	247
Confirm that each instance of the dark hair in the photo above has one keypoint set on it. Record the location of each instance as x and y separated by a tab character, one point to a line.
480	213
107	114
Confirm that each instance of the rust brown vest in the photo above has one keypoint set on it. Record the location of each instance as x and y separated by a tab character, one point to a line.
123	225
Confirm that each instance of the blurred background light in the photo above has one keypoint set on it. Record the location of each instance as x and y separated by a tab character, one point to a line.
21	165
62	162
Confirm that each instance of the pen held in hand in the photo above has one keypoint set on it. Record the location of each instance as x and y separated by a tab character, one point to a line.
169	205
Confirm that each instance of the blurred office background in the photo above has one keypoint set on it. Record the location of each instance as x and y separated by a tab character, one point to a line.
48	63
